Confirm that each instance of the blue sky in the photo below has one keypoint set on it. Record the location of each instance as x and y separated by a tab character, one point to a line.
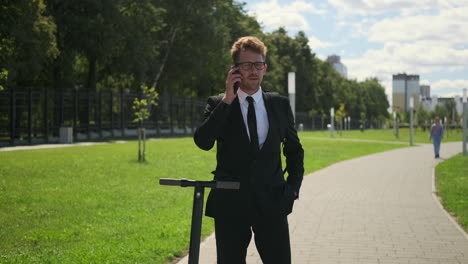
378	38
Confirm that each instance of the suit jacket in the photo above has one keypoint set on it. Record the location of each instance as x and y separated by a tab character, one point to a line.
263	188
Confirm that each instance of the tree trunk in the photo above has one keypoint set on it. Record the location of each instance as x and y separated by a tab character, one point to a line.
139	144
91	82
144	144
168	50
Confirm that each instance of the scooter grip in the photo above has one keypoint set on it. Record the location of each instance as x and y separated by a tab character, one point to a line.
173	182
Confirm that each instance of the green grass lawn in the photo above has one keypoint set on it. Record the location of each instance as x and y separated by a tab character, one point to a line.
419	136
96	204
452	186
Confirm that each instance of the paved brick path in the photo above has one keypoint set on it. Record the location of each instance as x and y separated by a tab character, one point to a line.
374	209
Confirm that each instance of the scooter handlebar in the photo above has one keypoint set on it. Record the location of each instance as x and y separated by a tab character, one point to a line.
231	185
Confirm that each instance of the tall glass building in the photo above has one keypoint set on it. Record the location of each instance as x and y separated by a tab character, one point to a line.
405	87
335	61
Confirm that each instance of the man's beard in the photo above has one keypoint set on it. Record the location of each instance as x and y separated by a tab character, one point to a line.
252	84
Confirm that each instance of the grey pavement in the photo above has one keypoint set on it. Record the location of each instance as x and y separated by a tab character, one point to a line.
379	208
42	146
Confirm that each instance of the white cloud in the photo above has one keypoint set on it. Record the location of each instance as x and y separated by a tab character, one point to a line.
445	87
448	88
363	7
450	27
415	44
357	29
303	6
291	16
412	58
424	82
406	7
425	37
315	43
321	56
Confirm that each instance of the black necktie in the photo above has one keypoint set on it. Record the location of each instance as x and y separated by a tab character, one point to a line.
252	123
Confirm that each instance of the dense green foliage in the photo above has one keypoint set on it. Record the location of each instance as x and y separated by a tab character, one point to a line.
452	187
3	78
96	204
446	111
180	47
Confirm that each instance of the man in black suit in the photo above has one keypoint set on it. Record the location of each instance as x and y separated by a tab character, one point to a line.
250	127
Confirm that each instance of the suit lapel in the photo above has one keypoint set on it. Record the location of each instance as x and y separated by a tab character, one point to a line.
268	107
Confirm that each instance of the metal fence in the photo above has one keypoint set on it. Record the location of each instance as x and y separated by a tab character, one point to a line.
309	123
33	117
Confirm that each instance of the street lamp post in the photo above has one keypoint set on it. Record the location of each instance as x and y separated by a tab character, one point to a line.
446	126
292	92
345	123
464	120
332	121
411	120
397	125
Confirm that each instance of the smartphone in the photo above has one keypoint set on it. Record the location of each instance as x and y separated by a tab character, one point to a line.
237	84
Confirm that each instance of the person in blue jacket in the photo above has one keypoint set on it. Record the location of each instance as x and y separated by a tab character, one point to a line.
437	133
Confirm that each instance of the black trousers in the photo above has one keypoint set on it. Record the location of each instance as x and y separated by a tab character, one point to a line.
271	235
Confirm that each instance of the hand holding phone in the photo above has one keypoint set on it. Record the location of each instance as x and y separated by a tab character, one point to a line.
233	81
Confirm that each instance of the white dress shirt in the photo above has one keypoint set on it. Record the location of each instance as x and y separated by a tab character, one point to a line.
260	114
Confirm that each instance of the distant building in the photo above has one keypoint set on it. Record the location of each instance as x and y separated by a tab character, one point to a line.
430	104
404	88
335	61
427	103
459	103
407	86
425	91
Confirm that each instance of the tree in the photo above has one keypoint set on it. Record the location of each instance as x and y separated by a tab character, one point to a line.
440	111
450	106
142	110
362	121
137	52
200	55
326	87
180	46
339	115
27	41
375	99
3	78
88	32
422	117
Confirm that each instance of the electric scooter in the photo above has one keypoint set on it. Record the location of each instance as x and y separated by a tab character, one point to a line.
197	212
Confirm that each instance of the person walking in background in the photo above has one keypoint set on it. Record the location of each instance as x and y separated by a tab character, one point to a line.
437	133
250	128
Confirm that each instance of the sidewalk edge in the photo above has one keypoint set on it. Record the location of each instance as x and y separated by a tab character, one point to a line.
441	207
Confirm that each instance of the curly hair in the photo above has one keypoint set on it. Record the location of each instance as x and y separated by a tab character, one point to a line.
247	43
